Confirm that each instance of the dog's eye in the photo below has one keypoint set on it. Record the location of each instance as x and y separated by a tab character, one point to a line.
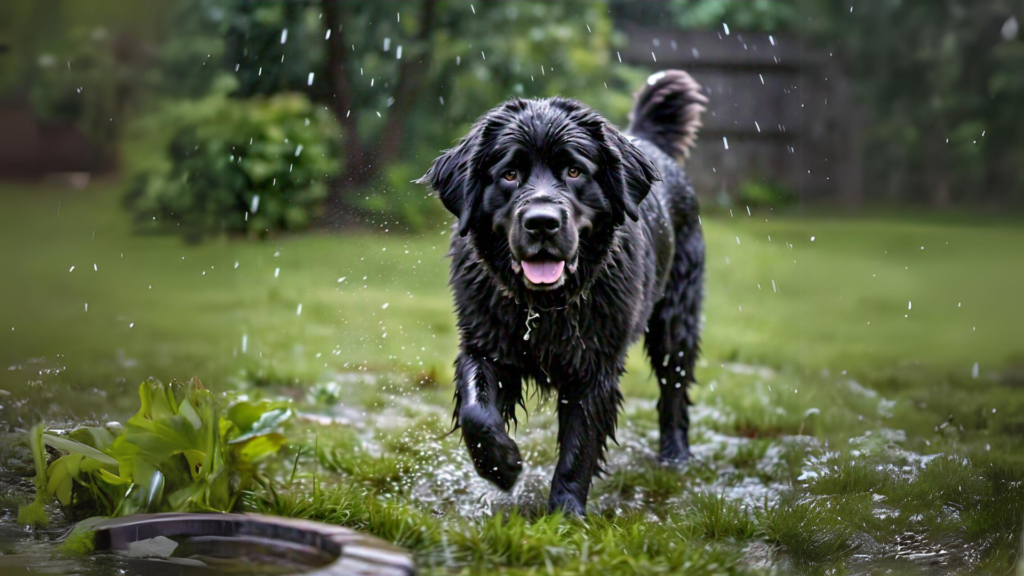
574	172
509	175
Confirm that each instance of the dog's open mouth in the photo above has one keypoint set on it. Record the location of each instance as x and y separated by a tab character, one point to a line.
543	272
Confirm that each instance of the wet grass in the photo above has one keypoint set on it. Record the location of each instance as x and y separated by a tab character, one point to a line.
838	426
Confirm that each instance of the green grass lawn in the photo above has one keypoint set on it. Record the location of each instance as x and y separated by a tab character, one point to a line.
840	422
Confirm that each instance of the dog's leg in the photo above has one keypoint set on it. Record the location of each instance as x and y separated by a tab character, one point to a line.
485	401
585	422
673	343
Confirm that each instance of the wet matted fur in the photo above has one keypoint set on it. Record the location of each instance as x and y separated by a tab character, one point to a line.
573	240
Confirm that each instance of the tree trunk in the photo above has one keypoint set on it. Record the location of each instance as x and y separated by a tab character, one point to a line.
364	160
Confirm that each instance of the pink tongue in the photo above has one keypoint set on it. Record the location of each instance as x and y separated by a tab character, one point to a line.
543	272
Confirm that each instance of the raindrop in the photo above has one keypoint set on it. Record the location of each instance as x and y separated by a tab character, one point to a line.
298	311
725	141
298	150
384	307
771	39
72	269
309	80
277	272
726	28
398	52
328	36
95	268
255	204
1010	28
284	36
910	305
974	372
387	44
245	343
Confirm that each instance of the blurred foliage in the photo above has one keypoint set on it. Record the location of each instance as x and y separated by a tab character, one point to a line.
764	193
743	15
77	64
405	81
941	82
89	93
219	164
416	81
410	78
180	452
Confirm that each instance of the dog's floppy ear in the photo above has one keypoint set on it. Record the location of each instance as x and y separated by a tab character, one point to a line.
626	176
452	177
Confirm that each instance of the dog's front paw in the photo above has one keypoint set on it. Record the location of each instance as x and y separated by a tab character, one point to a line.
567	503
674	450
495	455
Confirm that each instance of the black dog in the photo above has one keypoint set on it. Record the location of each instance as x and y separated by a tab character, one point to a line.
573	239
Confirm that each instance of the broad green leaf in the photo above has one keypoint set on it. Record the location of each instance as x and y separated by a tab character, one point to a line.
258	447
155	494
74	465
196	460
95	436
188	412
69	445
180	498
267	423
157	400
157	440
113	479
60	479
244	415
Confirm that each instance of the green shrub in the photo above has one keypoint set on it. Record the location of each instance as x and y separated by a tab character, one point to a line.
764	193
238	166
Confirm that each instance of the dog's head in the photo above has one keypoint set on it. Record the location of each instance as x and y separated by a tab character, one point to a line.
541	185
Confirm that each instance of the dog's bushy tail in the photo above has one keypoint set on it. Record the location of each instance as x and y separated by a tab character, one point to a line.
666	112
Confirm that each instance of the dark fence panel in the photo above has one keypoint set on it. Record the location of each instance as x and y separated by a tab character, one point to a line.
778	111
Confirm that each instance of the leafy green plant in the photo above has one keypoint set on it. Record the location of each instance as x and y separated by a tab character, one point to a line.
220	164
180	452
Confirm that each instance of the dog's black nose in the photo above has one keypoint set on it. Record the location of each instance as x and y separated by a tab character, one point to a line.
543	219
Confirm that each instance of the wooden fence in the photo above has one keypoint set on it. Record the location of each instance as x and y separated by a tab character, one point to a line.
779	112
